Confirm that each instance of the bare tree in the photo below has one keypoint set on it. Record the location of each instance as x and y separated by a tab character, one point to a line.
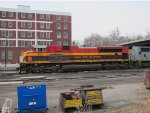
114	38
115	34
138	37
147	34
94	40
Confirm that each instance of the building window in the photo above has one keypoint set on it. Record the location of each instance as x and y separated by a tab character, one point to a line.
3	23
22	33
58	34
65	26
10	34
29	24
47	25
65	18
10	54
10	43
29	15
58	17
58	43
65	43
65	35
23	24
29	34
58	26
41	16
10	23
48	43
10	14
23	15
41	25
3	33
47	17
22	43
41	35
3	54
3	13
41	43
3	42
47	34
29	43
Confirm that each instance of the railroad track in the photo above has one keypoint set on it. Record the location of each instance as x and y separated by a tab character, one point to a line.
8	71
70	70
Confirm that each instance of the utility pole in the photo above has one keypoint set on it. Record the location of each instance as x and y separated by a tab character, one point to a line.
118	33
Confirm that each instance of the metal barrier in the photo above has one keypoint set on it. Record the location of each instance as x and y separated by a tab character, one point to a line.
7	106
32	98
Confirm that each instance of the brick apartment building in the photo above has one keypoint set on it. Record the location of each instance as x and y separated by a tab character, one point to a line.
22	27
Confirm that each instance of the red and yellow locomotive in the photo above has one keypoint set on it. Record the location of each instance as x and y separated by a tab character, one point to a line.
54	57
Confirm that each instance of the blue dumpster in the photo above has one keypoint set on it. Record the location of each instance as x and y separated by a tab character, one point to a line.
32	98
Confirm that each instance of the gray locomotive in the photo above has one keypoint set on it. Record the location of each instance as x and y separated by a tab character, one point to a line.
139	56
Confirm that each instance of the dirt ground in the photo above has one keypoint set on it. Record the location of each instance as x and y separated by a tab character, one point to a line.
124	87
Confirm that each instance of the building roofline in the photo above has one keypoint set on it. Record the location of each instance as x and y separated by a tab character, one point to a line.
135	41
34	11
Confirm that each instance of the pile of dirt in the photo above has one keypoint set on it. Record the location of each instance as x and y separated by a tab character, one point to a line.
135	107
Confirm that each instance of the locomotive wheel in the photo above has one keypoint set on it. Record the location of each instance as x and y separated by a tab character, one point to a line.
103	67
56	70
19	71
42	70
28	69
61	68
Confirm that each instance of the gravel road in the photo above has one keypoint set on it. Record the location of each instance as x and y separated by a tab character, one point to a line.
124	86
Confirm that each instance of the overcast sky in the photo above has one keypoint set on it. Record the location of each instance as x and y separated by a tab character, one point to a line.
97	16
